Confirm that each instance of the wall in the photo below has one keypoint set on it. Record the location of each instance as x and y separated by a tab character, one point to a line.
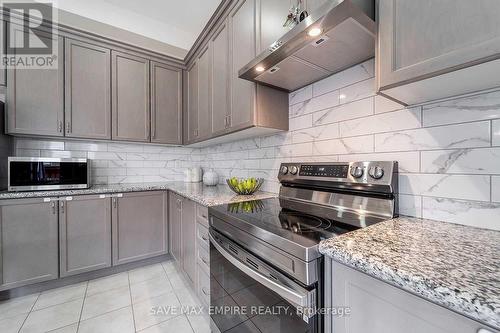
448	153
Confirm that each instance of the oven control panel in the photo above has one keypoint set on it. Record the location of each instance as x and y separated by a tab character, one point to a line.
375	172
335	171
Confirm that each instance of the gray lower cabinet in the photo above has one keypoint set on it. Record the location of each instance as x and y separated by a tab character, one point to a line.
84	233
87	90
130	97
35	97
429	50
175	225
188	236
378	307
166	104
139	226
28	242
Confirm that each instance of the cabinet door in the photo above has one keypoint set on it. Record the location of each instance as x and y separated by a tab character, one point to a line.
28	242
378	307
189	238
242	50
139	226
219	73
175	222
88	90
273	14
192	100
204	109
418	39
84	234
35	97
166	106
130	97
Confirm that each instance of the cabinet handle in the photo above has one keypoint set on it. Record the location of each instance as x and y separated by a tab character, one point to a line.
53	205
204	261
195	132
114	202
62	207
229	121
204	291
204	238
60	126
482	330
68	127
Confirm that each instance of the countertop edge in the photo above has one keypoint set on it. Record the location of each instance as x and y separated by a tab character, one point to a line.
419	286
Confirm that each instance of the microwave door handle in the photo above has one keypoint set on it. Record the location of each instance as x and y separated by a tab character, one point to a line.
303	298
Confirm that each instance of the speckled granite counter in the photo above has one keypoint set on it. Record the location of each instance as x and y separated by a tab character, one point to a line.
204	195
452	265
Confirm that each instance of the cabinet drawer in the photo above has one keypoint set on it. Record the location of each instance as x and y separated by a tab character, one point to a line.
202	236
203	285
203	258
202	215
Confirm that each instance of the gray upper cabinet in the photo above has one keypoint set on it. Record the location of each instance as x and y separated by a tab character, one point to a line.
3	73
192	103
166	105
204	98
87	90
139	224
219	74
394	310
130	97
273	14
28	242
189	238
35	97
175	225
242	25
84	234
429	50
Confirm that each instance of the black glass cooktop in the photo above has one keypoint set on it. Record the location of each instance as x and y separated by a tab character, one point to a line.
276	216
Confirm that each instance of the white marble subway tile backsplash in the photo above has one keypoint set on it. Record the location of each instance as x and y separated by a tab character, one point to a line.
448	152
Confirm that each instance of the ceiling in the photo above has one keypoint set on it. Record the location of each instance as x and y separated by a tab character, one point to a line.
175	22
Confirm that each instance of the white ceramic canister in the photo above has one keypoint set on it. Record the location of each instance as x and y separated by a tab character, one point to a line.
188	175
210	178
196	174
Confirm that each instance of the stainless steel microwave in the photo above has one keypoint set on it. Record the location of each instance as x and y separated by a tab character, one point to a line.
44	173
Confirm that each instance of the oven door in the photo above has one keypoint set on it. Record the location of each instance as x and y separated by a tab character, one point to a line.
248	295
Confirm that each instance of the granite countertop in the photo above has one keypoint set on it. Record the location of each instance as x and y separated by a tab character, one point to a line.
204	195
452	265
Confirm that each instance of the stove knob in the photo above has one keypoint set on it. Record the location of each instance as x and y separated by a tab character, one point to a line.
294	170
284	169
357	172
376	172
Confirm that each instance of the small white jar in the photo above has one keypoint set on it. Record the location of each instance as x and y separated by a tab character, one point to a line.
210	178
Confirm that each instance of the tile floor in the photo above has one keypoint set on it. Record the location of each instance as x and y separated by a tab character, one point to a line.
119	303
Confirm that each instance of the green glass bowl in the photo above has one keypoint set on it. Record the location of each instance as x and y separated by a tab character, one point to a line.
245	191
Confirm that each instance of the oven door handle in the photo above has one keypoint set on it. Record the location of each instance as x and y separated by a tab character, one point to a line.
298	296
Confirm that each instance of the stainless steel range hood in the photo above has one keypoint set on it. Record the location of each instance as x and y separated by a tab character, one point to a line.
346	37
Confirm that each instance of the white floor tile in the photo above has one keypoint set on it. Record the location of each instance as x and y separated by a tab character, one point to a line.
107	283
150	288
179	281
178	324
105	302
119	321
12	324
66	329
200	323
17	306
60	295
146	273
145	318
53	317
170	266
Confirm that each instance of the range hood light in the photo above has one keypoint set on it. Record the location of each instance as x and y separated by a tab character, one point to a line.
314	32
259	69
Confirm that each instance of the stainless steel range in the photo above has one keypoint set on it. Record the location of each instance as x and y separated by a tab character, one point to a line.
266	270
